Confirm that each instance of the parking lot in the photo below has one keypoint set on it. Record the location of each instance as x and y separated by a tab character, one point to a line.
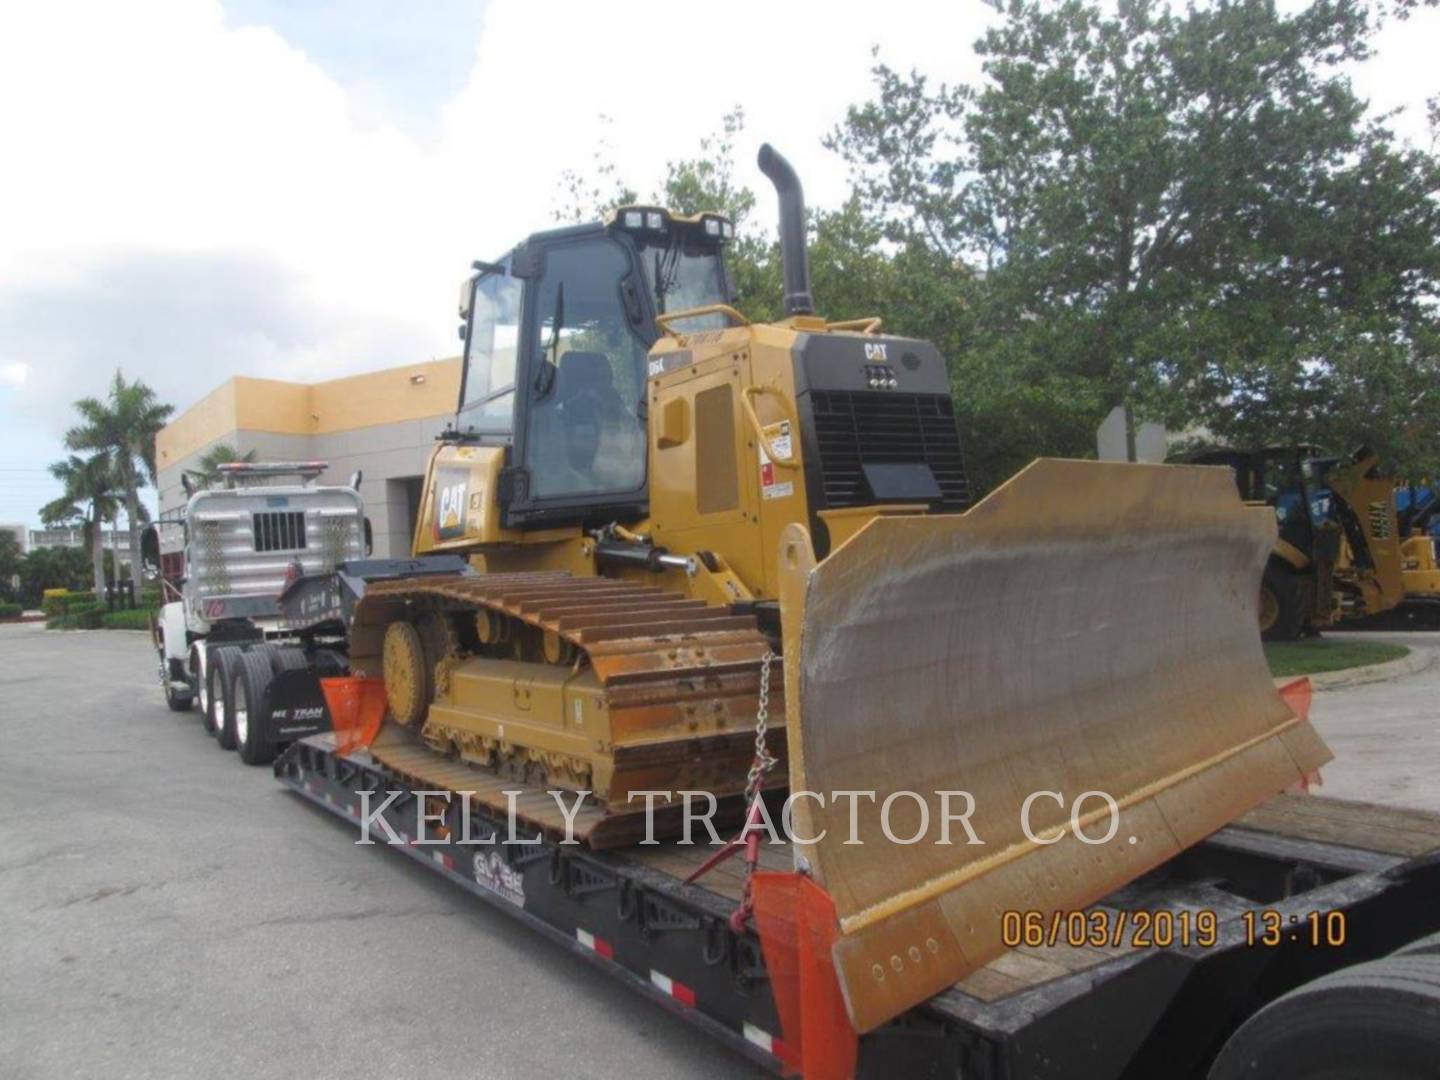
171	913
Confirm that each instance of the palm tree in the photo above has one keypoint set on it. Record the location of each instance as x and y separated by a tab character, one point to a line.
217	455
89	498
124	426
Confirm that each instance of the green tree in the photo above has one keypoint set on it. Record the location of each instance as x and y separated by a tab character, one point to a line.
11	558
90	499
1190	212
52	568
220	454
123	426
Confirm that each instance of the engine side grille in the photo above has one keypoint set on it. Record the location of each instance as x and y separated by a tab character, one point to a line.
279	530
856	428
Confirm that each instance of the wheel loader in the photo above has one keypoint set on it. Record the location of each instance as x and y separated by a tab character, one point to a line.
707	554
1339	552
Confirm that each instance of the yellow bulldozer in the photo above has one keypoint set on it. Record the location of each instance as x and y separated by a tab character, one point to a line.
707	554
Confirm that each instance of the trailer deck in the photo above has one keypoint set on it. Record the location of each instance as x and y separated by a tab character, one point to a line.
1118	1004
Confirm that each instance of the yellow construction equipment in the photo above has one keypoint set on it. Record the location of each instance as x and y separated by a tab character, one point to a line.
665	504
1338	554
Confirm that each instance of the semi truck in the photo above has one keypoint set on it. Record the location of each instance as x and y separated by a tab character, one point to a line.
224	560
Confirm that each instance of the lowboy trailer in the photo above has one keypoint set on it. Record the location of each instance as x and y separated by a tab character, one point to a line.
1284	945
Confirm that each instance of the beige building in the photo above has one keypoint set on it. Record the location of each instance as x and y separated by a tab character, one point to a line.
383	424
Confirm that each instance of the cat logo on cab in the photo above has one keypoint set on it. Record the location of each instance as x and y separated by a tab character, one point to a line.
450	486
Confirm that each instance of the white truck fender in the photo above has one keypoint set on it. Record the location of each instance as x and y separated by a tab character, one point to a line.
172	632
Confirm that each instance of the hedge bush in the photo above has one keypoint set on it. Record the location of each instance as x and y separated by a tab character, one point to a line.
10	611
63	601
129	619
88	619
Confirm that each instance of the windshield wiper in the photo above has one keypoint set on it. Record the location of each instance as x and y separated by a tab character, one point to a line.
545	377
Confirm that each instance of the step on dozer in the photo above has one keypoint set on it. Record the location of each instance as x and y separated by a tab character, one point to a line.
1087	628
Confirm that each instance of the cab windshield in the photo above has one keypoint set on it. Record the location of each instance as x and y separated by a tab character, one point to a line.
684	271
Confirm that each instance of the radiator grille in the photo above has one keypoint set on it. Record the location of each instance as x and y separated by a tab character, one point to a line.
854	429
280	530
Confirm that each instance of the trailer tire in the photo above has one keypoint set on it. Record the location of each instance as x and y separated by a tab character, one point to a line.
224	663
1282	607
1380	1019
252	706
1425	946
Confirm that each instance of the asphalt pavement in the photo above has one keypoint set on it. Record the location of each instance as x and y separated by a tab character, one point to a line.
170	912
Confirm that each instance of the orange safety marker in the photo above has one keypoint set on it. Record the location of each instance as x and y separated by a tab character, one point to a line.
1297	694
797	924
357	707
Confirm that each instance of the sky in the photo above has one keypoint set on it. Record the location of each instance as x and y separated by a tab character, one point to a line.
193	189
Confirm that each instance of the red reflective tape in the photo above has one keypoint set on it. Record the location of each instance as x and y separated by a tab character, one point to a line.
444	860
597	945
678	990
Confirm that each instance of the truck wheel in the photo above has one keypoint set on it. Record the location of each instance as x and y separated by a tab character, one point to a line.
1380	1019
201	683
252	706
178	701
224	663
288	658
1282	612
329	663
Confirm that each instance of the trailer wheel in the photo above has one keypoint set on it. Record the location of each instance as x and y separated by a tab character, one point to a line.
1282	609
1425	946
1380	1019
252	706
224	663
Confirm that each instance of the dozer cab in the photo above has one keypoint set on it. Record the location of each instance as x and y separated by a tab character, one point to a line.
1338	553
683	527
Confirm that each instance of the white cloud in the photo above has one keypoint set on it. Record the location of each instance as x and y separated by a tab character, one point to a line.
193	198
13	374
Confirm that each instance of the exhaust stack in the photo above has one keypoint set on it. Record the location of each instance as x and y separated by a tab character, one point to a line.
793	258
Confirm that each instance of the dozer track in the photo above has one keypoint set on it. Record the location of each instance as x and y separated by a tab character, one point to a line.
547	681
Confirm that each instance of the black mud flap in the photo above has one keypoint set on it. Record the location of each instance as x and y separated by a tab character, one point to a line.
297	706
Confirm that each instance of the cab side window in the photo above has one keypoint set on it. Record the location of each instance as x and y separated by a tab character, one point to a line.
490	353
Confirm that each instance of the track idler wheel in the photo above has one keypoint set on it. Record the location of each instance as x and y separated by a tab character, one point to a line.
558	650
407	673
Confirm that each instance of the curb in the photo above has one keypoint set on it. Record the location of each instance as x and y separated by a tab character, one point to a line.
1419	659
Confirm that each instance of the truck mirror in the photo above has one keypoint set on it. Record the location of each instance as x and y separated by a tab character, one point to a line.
369	537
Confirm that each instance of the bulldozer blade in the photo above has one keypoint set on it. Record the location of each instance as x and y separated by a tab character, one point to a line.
1088	628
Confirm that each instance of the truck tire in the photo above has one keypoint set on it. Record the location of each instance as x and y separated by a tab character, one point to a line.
288	658
329	663
178	702
199	680
252	706
1282	608
1380	1019
224	663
